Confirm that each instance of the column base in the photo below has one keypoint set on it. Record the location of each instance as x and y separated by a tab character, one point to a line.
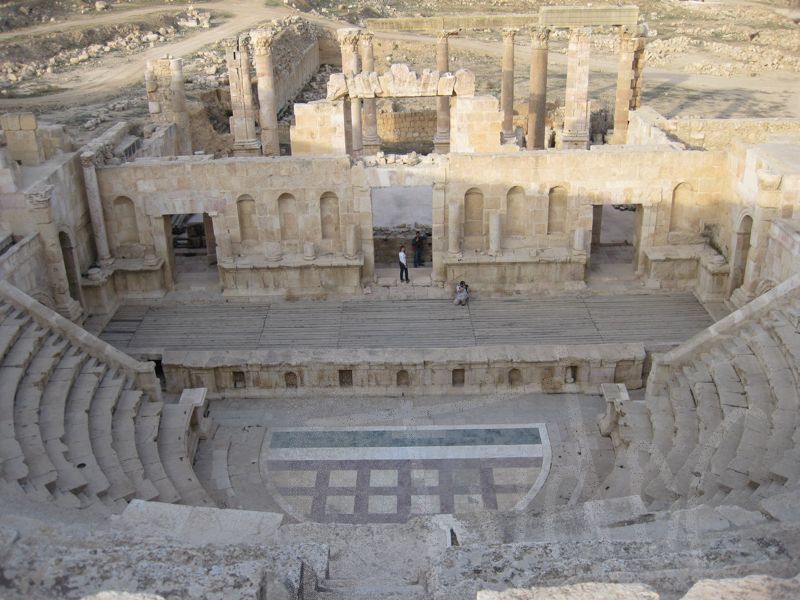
617	137
70	309
247	148
507	137
371	147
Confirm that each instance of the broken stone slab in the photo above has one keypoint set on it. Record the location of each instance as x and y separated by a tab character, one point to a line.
783	507
199	525
753	587
579	591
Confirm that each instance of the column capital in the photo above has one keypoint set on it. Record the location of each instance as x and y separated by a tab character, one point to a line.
231	44
40	196
579	33
540	36
442	35
509	33
244	39
90	159
262	41
348	36
365	36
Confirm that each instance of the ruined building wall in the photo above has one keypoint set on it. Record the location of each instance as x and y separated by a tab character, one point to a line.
719	134
292	79
24	266
407	127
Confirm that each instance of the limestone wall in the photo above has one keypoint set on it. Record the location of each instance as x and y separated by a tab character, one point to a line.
162	142
718	134
289	83
268	373
783	253
24	266
645	128
405	127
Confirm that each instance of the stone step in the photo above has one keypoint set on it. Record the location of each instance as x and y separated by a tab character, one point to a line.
76	430
51	419
124	442
147	422
101	412
375	587
177	464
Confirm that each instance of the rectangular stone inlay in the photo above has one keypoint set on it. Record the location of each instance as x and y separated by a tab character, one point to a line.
411	438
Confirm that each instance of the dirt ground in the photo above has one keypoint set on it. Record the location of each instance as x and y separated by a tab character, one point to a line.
728	58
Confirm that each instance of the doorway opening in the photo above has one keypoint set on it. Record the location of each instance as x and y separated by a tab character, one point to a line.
71	267
193	258
398	213
740	251
614	241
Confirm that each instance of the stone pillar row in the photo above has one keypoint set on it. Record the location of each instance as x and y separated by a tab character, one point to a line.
243	122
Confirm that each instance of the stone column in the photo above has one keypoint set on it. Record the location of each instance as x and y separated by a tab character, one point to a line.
441	140
507	84
495	233
267	110
454	229
625	77
537	101
372	142
438	237
348	40
222	238
243	121
180	114
96	215
211	240
597	224
39	199
576	107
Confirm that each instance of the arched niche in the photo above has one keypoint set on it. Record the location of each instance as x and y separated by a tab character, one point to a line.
557	210
329	215
516	223
125	224
287	212
473	219
741	249
246	211
681	214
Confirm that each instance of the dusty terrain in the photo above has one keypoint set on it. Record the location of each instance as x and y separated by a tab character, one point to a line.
75	64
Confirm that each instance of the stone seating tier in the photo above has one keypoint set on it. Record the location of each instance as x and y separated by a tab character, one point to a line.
76	427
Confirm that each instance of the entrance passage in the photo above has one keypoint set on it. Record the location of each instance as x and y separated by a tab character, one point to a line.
193	259
614	230
398	213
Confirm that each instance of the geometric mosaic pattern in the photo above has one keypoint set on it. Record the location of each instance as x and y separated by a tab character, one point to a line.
390	474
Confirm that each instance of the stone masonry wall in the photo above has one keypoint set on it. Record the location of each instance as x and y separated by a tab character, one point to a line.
403	127
719	134
25	267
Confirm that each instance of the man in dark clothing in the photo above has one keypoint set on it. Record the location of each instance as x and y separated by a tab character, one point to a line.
417	244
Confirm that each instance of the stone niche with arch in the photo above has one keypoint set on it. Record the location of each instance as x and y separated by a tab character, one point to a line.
123	229
513	237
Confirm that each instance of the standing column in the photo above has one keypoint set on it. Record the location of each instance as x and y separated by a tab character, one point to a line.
96	216
537	101
441	140
372	142
179	112
222	239
454	229
39	199
625	77
507	85
576	106
267	111
243	121
348	40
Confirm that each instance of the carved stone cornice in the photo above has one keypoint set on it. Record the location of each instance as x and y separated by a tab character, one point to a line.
348	36
540	36
262	41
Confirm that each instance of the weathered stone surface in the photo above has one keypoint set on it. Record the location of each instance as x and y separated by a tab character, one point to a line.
580	591
754	587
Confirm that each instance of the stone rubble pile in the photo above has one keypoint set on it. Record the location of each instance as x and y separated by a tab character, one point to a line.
129	40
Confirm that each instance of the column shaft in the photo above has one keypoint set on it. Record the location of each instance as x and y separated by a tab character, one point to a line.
537	101
576	106
39	199
96	210
454	229
348	40
372	142
267	109
180	114
625	77
441	140
507	84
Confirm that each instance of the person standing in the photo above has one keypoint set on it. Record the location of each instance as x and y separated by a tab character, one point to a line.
417	245
403	265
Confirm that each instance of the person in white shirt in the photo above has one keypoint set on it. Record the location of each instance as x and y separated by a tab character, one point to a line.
462	294
403	265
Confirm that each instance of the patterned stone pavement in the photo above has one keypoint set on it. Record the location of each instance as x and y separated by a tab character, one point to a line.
384	475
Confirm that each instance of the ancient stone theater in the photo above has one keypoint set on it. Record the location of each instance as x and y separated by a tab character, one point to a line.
215	383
